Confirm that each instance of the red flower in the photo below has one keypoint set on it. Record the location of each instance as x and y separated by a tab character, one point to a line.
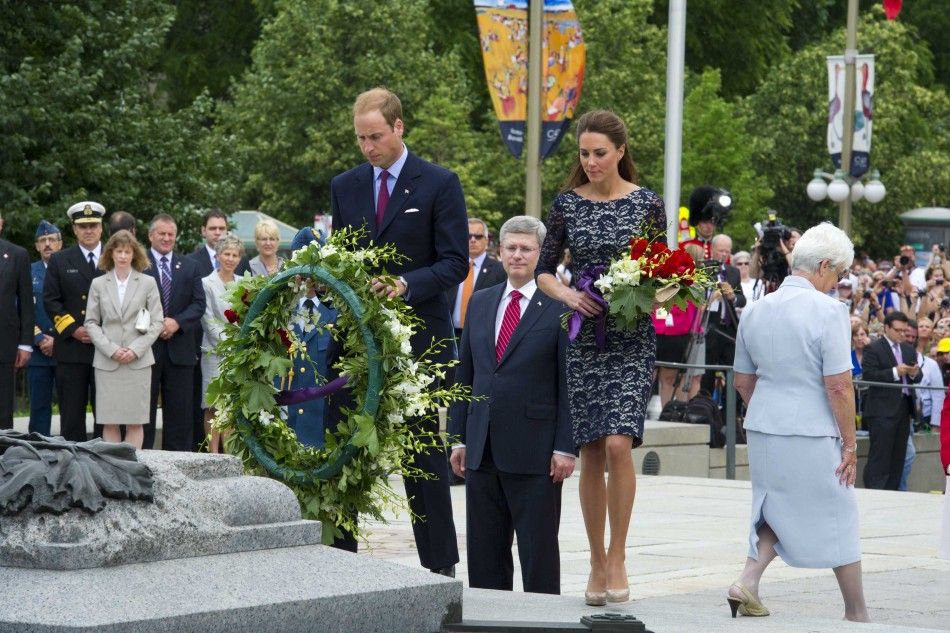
638	246
231	316
284	338
678	264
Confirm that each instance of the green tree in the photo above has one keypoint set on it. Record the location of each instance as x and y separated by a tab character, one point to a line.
742	38
78	120
717	150
787	117
291	120
208	45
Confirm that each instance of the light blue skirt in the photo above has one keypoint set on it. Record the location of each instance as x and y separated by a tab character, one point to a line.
796	492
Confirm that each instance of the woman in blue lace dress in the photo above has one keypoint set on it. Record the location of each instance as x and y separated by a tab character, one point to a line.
598	211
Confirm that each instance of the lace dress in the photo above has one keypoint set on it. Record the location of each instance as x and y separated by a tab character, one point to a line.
608	390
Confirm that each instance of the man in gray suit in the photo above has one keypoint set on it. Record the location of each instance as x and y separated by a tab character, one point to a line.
515	444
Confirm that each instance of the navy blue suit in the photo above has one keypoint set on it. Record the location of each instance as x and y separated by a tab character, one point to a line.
42	368
510	435
307	419
65	294
176	358
426	221
16	320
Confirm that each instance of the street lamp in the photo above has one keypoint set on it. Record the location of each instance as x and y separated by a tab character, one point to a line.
841	187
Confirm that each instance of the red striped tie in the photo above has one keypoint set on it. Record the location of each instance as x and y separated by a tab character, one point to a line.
508	324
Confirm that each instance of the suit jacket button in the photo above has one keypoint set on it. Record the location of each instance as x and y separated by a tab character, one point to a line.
299	411
82	312
303	370
84	297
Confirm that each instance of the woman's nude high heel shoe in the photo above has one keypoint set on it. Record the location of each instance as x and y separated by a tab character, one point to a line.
595	598
746	605
618	595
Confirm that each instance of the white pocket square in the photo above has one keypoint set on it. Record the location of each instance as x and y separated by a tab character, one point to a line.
412	210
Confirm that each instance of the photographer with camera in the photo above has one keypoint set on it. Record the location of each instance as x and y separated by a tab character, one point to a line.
772	253
933	299
723	318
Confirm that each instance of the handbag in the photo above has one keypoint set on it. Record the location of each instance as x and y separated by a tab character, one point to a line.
143	320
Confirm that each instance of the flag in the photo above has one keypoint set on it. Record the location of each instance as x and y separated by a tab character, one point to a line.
503	35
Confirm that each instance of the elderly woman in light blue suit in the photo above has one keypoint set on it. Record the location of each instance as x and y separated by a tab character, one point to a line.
793	369
123	359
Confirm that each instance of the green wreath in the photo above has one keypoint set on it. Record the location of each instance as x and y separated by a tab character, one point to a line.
389	385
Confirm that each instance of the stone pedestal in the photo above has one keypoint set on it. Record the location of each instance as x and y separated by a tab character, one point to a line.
215	551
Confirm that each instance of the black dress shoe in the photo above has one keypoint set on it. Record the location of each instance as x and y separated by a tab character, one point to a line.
445	571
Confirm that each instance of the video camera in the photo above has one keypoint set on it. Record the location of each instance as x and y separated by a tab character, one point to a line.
773	263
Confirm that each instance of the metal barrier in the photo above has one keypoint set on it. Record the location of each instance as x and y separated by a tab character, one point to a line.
730	421
730	390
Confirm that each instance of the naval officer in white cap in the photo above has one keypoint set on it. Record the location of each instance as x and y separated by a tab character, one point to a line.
68	276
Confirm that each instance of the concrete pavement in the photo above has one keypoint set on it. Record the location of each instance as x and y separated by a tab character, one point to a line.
688	542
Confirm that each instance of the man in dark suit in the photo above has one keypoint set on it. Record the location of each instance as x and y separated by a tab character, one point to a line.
887	411
419	208
42	368
213	225
16	321
68	277
516	443
483	272
723	322
175	350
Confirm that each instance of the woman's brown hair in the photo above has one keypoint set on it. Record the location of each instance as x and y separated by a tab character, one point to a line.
610	125
126	239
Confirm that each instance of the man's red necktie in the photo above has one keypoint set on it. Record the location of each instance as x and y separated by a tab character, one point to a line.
508	324
382	199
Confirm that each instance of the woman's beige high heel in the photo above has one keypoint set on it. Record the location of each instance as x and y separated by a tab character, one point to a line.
746	605
618	595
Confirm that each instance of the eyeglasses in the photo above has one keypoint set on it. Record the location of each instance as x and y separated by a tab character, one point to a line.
524	250
741	263
476	236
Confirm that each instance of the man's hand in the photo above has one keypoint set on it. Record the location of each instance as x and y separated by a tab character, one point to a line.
46	345
81	335
22	358
169	327
907	370
561	467
727	291
457	461
384	289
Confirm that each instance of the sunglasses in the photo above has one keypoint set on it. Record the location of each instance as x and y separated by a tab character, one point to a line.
476	236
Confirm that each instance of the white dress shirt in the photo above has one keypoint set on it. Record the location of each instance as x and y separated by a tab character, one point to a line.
527	291
122	287
96	252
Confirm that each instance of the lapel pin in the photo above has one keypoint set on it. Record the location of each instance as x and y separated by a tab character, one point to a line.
178	265
539	303
406	191
6	255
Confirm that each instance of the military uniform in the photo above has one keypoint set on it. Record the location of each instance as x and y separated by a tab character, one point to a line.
42	368
68	277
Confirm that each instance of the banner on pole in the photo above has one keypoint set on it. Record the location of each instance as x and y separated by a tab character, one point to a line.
503	32
863	111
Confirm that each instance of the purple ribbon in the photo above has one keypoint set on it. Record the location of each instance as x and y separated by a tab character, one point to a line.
585	284
297	396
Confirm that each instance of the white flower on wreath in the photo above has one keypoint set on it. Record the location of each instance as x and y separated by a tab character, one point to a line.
328	249
265	417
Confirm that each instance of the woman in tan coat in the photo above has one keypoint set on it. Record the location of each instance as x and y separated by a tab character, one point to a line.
123	335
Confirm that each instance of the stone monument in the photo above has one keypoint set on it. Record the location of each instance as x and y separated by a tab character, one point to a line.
205	549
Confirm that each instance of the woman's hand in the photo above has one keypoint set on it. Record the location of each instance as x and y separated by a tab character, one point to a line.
582	302
847	470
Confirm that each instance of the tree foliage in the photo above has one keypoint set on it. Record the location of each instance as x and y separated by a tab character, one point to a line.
78	120
787	116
